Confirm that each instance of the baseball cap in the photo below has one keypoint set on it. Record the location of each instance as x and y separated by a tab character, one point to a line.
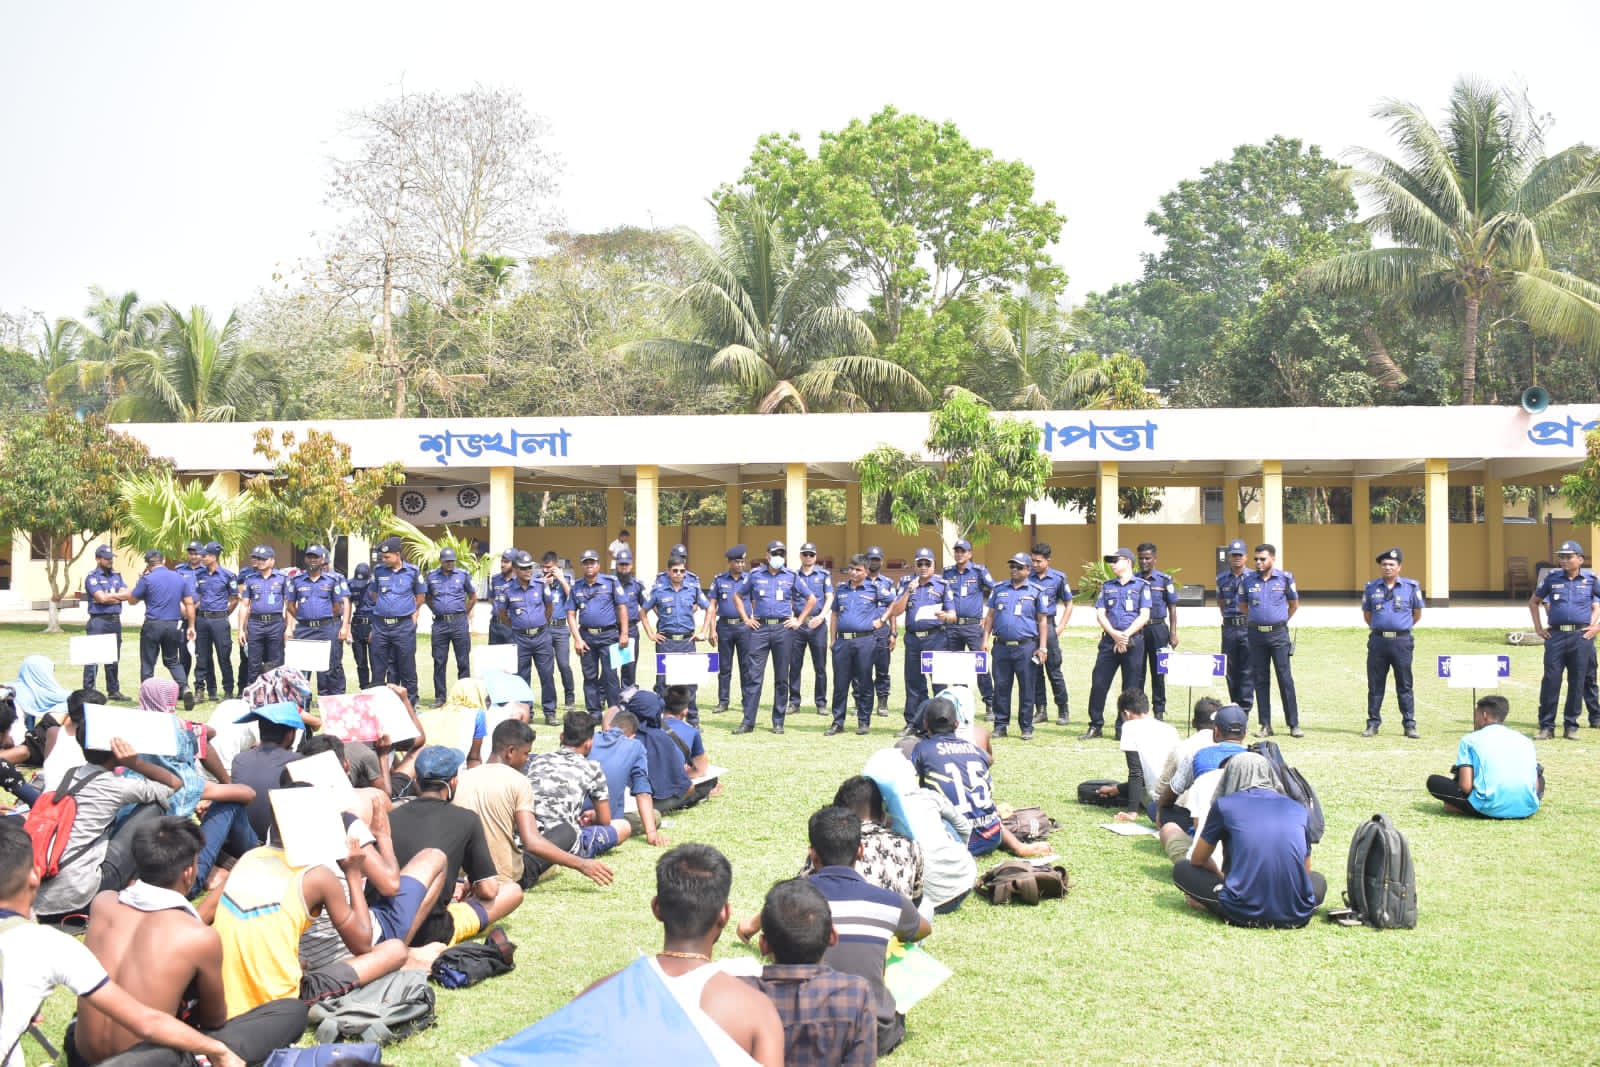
437	763
263	552
194	546
589	554
736	552
776	548
390	544
924	553
1122	553
318	551
623	556
939	715
963	545
1231	720
510	555
363	570
213	548
874	552
1236	548
524	559
104	552
808	549
284	713
447	555
1021	559
154	555
1390	553
1570	548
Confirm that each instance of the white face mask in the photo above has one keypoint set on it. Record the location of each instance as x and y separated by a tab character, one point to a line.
775	562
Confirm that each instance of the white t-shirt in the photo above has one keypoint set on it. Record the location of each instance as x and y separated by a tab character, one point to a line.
37	960
1154	740
64	755
617	546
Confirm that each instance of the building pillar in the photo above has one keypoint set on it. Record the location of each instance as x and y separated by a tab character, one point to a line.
1106	506
735	517
502	514
229	480
1230	509
794	509
1494	517
1436	493
1272	504
948	536
616	519
1361	528
852	524
647	538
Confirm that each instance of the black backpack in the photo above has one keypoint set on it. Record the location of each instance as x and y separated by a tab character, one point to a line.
1295	787
471	962
1382	887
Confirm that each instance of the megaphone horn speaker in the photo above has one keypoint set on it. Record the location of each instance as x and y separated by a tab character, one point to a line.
1535	400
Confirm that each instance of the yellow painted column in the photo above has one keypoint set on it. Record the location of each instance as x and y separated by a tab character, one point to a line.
1494	516
229	480
794	509
502	513
1436	493
646	539
1361	529
732	524
1272	506
1230	509
852	524
1106	506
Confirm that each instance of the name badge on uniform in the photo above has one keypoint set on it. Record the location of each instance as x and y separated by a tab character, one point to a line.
666	609
1016	609
1127	604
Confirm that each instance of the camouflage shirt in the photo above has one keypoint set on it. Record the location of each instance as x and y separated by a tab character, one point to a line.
562	780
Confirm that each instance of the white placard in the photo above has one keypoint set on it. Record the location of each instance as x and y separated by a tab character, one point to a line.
1474	672
151	733
93	649
686	668
1195	669
494	658
928	613
955	668
307	655
712	772
310	827
326	773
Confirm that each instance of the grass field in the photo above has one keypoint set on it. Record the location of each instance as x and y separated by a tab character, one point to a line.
1504	965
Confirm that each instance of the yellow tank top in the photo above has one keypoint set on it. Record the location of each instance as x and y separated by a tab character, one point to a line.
261	917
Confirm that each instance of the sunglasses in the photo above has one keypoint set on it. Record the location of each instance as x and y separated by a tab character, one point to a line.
924	562
1262	559
677	570
808	553
1016	566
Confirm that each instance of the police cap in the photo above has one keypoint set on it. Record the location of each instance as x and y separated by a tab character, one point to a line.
924	553
1021	559
736	552
213	548
510	555
1389	554
195	546
589	555
808	549
447	555
1570	548
874	552
104	552
263	552
623	556
524	560
390	544
316	552
963	545
776	548
1236	547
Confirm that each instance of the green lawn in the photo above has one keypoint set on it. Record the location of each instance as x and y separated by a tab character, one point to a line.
1503	967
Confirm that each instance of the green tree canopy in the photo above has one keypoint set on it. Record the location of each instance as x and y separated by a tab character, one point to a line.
313	494
1581	489
197	372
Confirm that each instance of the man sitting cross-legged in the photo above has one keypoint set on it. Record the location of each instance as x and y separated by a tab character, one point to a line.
1496	773
562	781
153	943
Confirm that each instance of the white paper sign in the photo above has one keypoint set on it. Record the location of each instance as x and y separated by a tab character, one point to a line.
928	613
325	772
494	658
93	649
1195	669
151	733
307	655
955	668
367	715
309	825
1474	672
686	668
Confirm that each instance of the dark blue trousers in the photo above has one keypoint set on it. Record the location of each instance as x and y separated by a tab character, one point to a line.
814	639
331	681
1269	651
264	642
1013	664
629	674
213	655
448	634
561	652
880	667
773	641
361	648
1107	661
601	687
394	654
731	643
917	682
968	637
536	652
852	666
104	624
162	639
1383	655
1565	653
678	643
1157	635
1050	671
1241	680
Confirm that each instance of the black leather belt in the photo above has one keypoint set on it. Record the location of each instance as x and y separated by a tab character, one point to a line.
213	614
1269	627
313	622
676	637
163	622
599	629
852	635
1568	626
266	614
530	631
1391	633
392	619
775	618
1238	620
929	630
1011	644
967	622
448	616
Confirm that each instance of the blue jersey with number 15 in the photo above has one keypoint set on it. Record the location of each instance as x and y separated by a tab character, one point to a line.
960	770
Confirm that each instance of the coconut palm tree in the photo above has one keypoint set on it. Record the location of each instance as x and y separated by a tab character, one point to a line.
1466	209
197	372
771	320
112	326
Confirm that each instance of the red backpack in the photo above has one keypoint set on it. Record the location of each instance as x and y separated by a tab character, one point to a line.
50	820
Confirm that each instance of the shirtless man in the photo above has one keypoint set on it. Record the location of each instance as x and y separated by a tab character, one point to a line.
154	945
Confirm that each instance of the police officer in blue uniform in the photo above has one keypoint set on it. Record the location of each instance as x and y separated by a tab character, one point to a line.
560	634
928	604
599	620
1571	599
681	551
190	568
263	595
396	594
168	599
633	598
1270	601
450	597
361	623
1123	611
319	610
216	595
1235	636
499	633
673	600
887	635
767	604
970	584
106	592
1058	593
860	610
1162	630
526	609
1017	613
1392	605
814	581
729	634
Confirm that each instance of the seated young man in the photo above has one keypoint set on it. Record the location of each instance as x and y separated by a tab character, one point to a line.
507	804
687	736
563	782
960	769
431	821
1182	755
38	960
828	1016
261	767
1228	728
1497	774
1146	743
153	943
887	859
626	764
670	788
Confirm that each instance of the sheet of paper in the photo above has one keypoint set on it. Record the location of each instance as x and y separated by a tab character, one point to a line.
307	655
928	613
1474	672
325	772
486	658
617	655
366	715
311	828
1129	829
93	649
711	772
911	974
151	733
1195	669
686	668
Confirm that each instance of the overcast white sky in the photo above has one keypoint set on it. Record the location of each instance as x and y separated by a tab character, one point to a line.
181	148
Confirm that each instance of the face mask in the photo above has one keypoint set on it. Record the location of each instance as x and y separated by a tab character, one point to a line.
775	562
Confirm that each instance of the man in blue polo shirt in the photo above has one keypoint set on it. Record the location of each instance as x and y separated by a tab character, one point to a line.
928	604
970	584
1015	617
598	620
860	610
728	634
886	636
1497	774
263	593
1572	603
1391	605
525	609
767	604
1270	601
1122	611
814	581
396	595
1162	630
450	597
216	591
106	592
168	598
319	610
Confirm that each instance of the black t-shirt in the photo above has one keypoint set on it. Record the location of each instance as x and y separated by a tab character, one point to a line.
430	823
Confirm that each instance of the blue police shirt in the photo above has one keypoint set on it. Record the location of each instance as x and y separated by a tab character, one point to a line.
213	590
317	599
266	593
724	587
162	592
970	587
393	593
526	606
674	608
360	606
769	594
1163	593
1391	608
934	593
1123	602
1056	588
560	596
1230	593
595	603
103	581
816	584
1568	600
1016	611
1269	597
449	592
632	596
857	606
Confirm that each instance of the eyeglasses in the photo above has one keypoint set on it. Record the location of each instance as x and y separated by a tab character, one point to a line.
677	570
924	562
808	553
1016	566
1262	559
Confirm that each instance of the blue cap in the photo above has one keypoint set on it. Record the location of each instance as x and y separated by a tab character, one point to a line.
924	553
194	546
964	545
363	570
1122	553
680	549
874	552
447	555
436	763
776	548
318	551
589	554
154	555
509	555
1231	719
263	552
104	552
524	559
808	549
284	713
213	548
1236	548
736	552
1388	554
390	544
623	556
1021	559
1570	548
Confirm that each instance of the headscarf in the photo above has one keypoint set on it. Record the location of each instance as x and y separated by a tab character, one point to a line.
158	694
1247	770
276	686
468	694
37	691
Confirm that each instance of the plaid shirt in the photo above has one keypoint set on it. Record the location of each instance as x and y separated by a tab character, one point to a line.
828	1017
887	860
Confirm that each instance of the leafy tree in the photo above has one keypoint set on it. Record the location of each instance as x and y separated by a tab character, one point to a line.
925	215
981	470
1027	360
162	511
198	372
1581	489
313	494
21	382
112	327
1466	210
62	476
770	319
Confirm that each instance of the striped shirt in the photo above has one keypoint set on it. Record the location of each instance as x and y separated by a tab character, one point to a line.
866	918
